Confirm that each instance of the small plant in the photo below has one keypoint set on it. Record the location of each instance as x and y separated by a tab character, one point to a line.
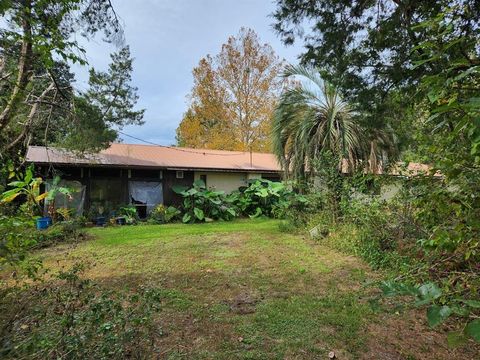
162	214
130	214
28	187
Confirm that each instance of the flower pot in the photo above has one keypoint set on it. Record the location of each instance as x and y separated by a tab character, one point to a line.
43	222
100	220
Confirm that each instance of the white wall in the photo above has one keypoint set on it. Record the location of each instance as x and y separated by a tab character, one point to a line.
224	181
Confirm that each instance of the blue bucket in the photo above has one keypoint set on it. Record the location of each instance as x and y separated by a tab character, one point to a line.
43	223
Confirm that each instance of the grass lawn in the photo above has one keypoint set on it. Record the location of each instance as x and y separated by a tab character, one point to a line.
246	290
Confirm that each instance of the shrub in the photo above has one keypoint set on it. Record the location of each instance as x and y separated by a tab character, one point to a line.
64	231
163	215
17	236
202	204
266	198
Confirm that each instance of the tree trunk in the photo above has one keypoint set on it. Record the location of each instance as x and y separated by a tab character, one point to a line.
23	68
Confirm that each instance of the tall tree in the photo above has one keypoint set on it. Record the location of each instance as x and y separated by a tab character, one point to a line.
311	118
372	46
36	93
233	97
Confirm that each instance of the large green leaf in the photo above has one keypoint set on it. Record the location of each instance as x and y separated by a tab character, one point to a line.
262	193
199	213
179	189
199	183
258	212
186	218
437	314
18	184
473	329
427	293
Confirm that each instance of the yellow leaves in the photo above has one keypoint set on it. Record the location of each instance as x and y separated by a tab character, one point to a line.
233	97
9	198
41	196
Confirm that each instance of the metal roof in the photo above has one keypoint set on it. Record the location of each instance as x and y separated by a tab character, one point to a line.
135	155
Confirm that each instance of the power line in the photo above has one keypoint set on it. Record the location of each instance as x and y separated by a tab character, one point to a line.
178	149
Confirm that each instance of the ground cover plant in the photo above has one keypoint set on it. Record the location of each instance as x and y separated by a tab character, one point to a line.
225	290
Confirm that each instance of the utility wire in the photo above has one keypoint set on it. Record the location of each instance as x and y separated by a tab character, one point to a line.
178	149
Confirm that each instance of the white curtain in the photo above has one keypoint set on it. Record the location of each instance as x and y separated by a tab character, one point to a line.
149	193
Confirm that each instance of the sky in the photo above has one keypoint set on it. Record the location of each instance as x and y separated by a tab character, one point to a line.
167	39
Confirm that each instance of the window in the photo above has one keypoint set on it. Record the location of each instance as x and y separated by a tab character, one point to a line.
203	177
180	174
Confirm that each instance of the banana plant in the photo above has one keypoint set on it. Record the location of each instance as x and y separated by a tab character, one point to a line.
28	186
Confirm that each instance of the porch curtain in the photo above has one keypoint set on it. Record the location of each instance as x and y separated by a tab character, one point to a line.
149	193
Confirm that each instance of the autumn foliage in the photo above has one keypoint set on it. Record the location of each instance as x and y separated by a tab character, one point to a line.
233	97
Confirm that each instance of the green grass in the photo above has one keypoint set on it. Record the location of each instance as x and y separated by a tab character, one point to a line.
236	290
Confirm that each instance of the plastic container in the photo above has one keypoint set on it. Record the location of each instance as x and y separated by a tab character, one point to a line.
121	220
100	220
44	222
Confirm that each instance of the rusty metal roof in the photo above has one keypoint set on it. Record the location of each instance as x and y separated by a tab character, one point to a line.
135	155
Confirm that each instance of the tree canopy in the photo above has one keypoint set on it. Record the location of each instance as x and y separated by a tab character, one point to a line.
233	97
39	103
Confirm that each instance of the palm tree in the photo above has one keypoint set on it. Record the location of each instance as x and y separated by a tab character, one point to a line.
310	119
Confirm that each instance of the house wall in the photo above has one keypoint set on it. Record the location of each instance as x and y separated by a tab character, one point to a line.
110	186
223	181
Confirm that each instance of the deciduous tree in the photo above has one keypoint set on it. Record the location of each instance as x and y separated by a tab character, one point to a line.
233	97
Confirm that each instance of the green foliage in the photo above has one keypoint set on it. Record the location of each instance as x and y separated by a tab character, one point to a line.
440	307
40	42
163	215
202	204
16	238
75	318
261	198
130	214
27	186
265	198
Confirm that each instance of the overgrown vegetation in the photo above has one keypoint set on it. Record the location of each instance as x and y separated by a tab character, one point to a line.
412	69
395	236
75	318
260	198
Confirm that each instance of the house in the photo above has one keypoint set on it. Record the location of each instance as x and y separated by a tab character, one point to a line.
143	175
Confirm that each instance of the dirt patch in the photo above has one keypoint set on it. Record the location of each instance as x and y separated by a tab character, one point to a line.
406	336
243	304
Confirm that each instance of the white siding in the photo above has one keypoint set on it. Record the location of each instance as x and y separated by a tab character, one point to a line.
224	181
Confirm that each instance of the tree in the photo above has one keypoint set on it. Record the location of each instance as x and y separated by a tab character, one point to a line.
372	46
233	97
39	103
310	119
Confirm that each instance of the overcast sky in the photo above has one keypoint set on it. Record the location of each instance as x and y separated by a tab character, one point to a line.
167	38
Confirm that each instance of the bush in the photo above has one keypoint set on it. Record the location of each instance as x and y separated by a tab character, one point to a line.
17	236
266	198
163	215
65	231
202	204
